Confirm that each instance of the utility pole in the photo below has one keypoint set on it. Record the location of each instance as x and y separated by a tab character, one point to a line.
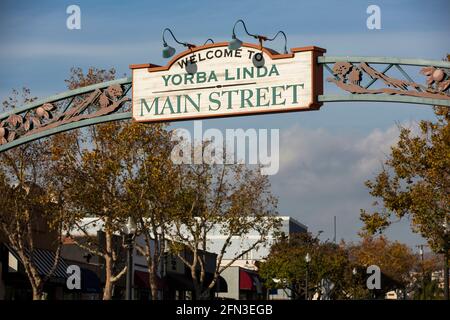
446	257
446	284
334	237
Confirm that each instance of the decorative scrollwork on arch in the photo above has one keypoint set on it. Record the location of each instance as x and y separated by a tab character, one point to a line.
99	102
348	76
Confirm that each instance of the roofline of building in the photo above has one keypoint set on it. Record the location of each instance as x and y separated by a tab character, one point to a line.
289	218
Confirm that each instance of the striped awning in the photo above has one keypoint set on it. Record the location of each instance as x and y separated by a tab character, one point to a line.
44	259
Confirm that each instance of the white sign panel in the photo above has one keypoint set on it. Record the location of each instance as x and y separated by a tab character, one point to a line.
214	81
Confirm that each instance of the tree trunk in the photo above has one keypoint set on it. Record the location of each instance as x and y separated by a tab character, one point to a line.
152	265
197	292
153	282
37	286
197	286
205	294
37	293
107	291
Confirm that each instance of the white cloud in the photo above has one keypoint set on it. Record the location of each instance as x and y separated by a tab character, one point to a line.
322	175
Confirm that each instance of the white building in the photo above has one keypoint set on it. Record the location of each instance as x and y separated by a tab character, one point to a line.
239	244
242	280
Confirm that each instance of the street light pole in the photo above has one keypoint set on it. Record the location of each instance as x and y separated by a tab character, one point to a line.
130	231
306	283
446	257
307	260
129	247
355	273
446	280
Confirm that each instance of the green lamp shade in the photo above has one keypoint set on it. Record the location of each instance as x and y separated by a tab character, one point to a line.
235	43
258	60
168	51
191	67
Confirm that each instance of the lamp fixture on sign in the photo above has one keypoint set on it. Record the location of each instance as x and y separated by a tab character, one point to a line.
258	59
191	66
169	51
236	43
285	40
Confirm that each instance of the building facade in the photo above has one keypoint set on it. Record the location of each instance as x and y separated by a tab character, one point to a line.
242	277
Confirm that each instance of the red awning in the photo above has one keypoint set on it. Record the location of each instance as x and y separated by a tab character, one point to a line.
247	280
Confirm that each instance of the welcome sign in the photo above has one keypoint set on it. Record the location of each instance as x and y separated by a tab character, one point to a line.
214	81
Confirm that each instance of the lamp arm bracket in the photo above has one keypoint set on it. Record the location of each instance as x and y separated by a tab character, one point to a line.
245	28
189	45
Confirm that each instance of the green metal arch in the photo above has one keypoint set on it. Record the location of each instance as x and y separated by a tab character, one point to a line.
102	89
386	60
64	95
390	62
383	98
67	127
71	94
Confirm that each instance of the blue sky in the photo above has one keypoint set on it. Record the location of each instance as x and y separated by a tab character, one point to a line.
322	150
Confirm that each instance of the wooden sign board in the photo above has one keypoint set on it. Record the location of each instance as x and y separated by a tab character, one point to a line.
214	81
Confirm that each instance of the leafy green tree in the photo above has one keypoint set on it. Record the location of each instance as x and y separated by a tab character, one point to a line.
90	164
415	183
286	267
396	260
150	190
423	286
29	205
234	200
94	188
429	291
113	171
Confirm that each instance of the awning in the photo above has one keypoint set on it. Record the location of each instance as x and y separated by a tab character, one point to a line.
44	259
249	280
221	284
141	280
179	281
184	282
90	283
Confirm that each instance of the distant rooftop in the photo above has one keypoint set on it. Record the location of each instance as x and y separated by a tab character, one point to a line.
289	218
